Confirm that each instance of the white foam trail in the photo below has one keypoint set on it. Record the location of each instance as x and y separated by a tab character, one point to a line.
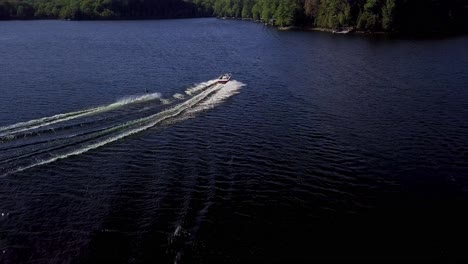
179	96
40	120
227	90
224	92
153	120
200	86
136	99
46	121
165	101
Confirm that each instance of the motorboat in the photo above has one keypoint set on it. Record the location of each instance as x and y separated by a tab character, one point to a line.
223	79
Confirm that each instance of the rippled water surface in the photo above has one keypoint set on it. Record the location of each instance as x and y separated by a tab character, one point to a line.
117	145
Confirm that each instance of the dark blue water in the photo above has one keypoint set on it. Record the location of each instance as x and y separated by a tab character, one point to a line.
114	145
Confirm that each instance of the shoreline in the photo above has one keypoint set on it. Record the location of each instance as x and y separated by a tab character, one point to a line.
334	31
279	28
370	33
328	30
100	19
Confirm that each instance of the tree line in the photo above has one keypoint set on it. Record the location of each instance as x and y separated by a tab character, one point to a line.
371	15
96	9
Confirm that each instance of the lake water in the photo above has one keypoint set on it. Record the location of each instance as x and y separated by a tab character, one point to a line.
115	145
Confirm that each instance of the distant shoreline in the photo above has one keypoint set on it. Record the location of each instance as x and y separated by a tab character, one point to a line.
353	31
328	30
279	28
103	19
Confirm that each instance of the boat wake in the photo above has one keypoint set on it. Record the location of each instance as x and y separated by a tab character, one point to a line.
45	121
41	141
229	89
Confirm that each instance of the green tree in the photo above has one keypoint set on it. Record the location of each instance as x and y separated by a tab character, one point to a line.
107	13
256	13
333	14
388	13
55	12
236	9
65	12
266	10
20	11
247	9
371	17
285	12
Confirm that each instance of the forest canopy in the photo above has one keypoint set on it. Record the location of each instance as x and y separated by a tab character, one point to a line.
96	9
370	15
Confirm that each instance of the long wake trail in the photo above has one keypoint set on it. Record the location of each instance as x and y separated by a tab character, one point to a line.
205	92
47	121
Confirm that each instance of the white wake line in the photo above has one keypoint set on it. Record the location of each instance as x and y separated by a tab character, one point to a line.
228	90
46	121
50	120
200	86
176	111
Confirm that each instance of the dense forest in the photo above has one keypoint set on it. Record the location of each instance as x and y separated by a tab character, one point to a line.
369	15
97	9
372	15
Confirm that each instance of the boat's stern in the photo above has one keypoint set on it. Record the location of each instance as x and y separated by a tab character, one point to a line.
225	78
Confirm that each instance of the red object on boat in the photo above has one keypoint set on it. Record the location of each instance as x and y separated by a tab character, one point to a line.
223	79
